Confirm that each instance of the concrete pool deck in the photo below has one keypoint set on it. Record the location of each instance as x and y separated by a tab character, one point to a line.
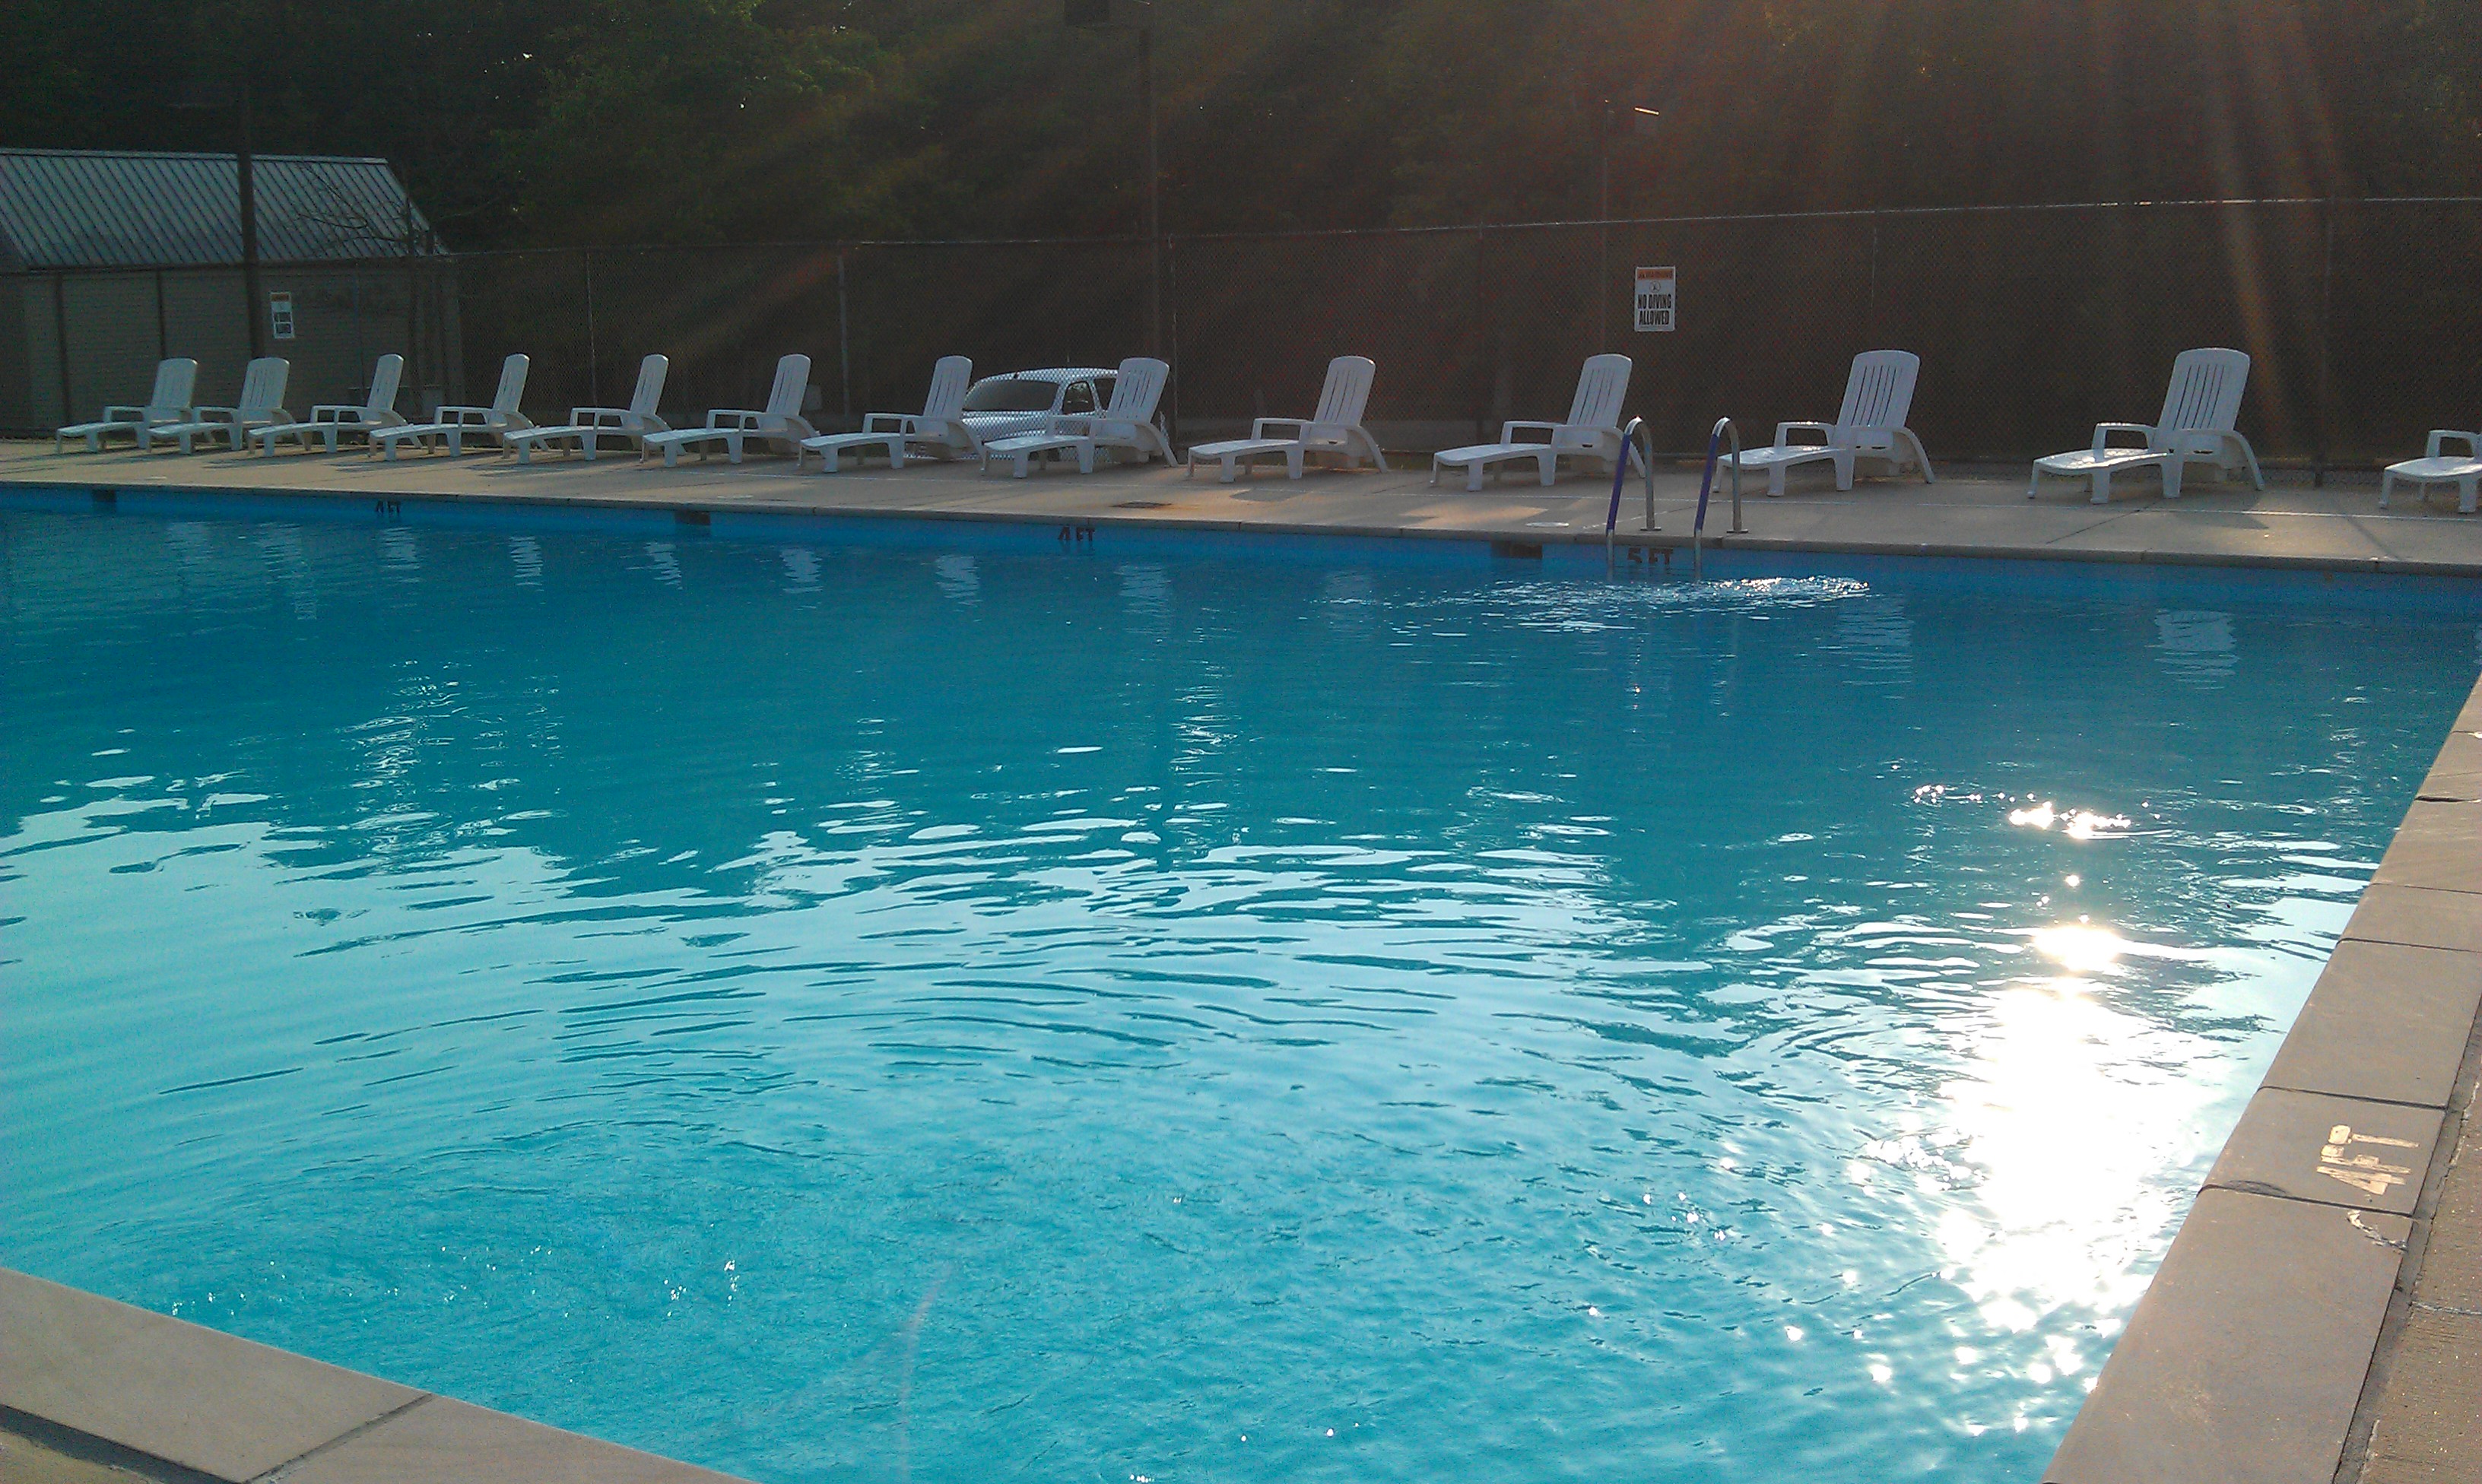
2318	1317
2290	524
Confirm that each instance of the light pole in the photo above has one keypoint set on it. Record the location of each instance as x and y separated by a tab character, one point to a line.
1097	15
1610	122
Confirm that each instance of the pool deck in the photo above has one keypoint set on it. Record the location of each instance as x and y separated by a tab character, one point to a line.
1969	513
2317	1318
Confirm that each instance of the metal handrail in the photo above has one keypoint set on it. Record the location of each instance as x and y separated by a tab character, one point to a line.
1633	436
1705	485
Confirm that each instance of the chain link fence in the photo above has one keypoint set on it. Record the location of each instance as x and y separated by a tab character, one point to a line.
2033	322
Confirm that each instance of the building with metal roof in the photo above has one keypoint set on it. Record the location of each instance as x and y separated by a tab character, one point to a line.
90	209
111	260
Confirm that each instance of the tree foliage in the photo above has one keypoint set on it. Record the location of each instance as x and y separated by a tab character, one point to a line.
547	122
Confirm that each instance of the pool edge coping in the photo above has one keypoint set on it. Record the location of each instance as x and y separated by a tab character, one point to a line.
1639	540
181	1402
2263	1346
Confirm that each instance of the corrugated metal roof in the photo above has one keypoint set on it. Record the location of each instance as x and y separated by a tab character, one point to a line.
78	208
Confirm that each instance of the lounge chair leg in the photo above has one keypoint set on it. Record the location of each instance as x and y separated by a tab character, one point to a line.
2102	487
2172	478
1549	468
1227	468
2466	490
1473	478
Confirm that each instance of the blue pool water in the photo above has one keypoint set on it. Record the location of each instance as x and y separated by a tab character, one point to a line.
962	1005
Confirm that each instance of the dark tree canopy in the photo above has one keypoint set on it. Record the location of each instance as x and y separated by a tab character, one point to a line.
554	122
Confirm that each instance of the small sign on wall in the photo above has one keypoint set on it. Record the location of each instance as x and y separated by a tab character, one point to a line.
1656	288
279	316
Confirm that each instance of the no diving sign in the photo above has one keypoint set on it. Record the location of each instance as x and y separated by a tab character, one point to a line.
1654	298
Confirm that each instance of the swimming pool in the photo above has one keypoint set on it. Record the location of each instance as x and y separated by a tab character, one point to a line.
881	1001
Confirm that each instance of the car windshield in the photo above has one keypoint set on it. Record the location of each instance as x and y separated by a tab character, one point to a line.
1012	397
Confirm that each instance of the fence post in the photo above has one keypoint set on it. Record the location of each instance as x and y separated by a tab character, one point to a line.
844	338
1171	304
61	341
2326	346
594	361
1486	333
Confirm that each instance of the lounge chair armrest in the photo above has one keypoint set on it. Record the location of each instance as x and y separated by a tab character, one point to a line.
450	412
1785	431
734	417
119	413
2105	430
1071	425
338	413
888	421
215	414
1508	431
1299	425
598	417
2440	435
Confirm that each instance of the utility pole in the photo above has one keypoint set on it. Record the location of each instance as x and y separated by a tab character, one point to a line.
204	92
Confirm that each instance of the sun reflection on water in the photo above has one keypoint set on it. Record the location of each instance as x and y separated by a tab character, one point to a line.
2064	1118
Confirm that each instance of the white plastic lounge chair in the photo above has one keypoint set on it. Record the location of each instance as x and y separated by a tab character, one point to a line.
589	425
168	402
939	431
332	420
455	422
2199	410
779	422
261	404
1336	428
2436	468
1128	423
1878	395
1592	429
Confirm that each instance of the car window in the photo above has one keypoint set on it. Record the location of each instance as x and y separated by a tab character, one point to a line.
1079	398
1012	396
1103	390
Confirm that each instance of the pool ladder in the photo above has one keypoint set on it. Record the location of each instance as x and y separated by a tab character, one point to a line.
1634	438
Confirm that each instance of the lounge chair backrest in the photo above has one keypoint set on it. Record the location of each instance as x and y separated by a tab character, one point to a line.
1139	387
1880	392
262	385
174	381
650	385
1347	390
949	380
792	385
385	378
2205	392
513	385
1601	387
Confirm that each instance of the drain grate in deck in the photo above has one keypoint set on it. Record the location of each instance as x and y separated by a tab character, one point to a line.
1144	505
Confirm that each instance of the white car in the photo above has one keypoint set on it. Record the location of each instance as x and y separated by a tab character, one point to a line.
1024	401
